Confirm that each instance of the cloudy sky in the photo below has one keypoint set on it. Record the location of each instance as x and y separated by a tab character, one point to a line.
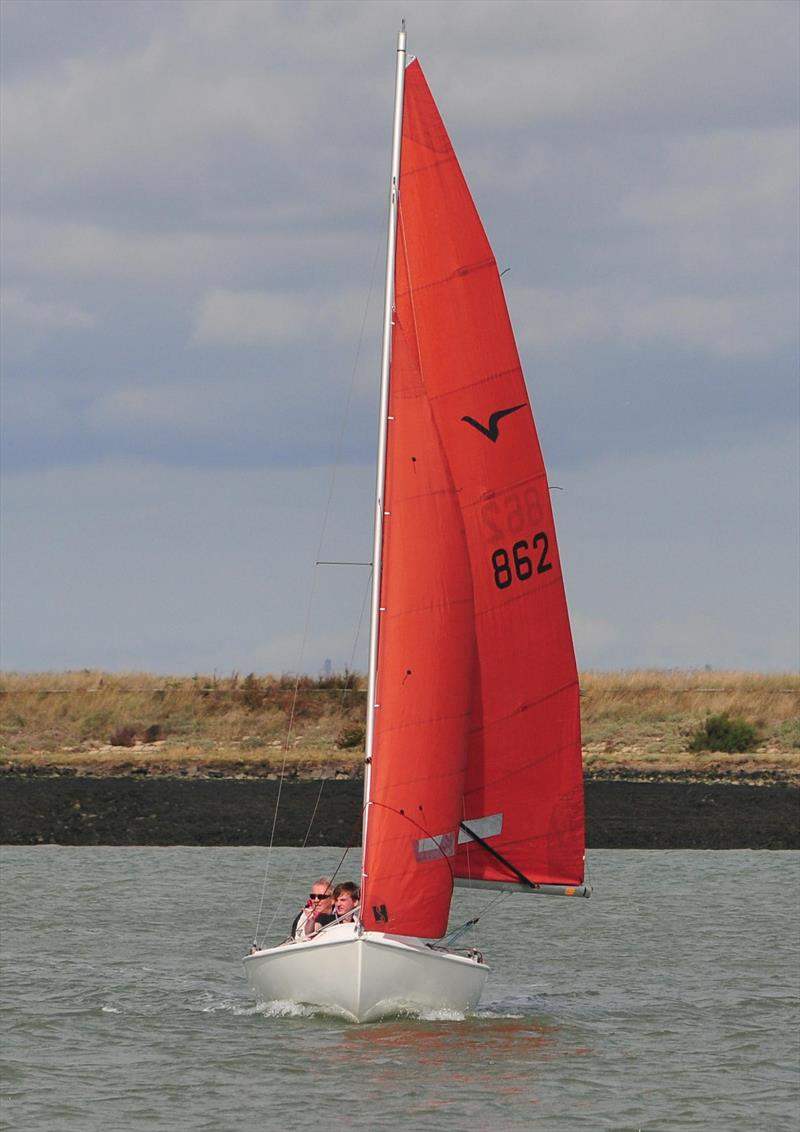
193	227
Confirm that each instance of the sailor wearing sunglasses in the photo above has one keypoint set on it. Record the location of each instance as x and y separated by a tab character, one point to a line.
317	912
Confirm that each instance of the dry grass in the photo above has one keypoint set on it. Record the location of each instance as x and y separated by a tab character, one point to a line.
59	711
192	760
770	698
659	711
232	725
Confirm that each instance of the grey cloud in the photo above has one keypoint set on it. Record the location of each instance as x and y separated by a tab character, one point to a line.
193	208
141	567
695	555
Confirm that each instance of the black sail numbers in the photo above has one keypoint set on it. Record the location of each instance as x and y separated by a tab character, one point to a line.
524	558
519	565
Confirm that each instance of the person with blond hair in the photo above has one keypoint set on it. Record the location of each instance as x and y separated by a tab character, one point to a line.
317	912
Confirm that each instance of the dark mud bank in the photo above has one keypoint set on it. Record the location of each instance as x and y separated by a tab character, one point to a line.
173	811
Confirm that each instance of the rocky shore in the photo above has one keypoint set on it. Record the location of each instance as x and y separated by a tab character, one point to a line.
40	809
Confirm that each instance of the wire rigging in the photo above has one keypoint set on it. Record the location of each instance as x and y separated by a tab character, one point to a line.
307	621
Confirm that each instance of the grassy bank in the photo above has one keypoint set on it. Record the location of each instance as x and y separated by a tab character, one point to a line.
638	723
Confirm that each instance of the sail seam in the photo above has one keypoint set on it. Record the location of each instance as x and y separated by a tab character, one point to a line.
442	492
407	609
515	599
450	156
527	706
478	382
459	273
515	771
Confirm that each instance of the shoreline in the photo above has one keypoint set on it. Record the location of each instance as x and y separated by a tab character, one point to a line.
621	813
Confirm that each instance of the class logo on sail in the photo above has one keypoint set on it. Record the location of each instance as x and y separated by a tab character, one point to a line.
492	430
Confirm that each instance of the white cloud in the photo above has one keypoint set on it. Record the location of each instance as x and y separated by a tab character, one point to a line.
178	263
85	251
724	326
27	321
714	177
98	117
576	66
22	311
246	317
138	408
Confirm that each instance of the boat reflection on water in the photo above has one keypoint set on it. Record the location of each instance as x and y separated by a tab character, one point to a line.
485	1056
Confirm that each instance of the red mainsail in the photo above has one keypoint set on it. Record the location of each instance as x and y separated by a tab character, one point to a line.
476	766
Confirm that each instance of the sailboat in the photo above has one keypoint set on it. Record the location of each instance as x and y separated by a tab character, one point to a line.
473	772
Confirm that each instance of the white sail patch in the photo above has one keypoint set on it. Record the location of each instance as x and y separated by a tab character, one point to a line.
444	844
481	827
434	848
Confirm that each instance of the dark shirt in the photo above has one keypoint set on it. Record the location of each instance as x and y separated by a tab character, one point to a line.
322	919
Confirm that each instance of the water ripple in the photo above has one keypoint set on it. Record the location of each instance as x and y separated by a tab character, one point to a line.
675	1012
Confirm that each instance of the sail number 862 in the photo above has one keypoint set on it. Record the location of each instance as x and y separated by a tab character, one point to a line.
519	564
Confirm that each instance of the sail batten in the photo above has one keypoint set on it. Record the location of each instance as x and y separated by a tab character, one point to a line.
458	273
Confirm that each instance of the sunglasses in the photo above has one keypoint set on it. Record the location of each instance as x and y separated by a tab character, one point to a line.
319	896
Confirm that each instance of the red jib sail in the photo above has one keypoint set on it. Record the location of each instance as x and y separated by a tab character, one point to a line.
476	767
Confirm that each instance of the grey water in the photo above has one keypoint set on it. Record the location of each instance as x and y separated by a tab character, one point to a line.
667	1001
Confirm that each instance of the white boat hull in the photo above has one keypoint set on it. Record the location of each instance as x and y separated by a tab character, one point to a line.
366	977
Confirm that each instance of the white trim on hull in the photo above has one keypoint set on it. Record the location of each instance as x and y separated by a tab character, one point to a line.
366	977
